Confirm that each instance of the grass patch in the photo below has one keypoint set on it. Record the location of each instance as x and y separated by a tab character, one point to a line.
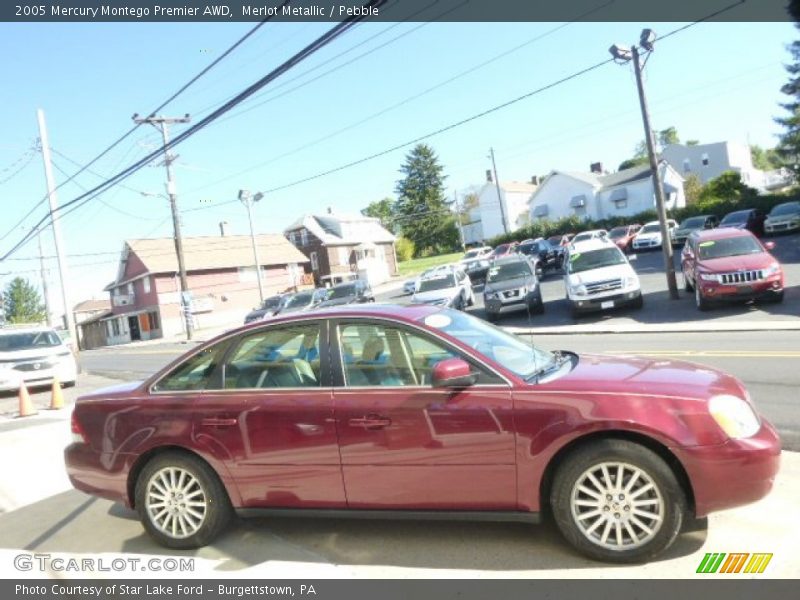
417	265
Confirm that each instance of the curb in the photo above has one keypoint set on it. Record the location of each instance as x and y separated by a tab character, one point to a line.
712	327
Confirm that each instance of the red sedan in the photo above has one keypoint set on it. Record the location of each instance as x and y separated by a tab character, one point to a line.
728	264
416	412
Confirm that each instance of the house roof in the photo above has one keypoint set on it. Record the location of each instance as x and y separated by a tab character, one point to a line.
625	176
210	252
340	229
92	306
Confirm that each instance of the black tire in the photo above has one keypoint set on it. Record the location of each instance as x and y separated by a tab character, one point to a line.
700	302
666	496
777	298
638	303
216	506
538	307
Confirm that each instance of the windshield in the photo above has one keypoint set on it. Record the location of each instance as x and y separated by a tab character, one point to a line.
299	300
595	259
785	209
733	246
501	249
10	342
618	232
341	291
504	348
693	222
528	248
737	217
437	283
583	236
471	254
272	303
508	271
554	240
651	228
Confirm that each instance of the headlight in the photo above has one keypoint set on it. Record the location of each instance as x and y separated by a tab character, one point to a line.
734	416
578	290
772	269
708	276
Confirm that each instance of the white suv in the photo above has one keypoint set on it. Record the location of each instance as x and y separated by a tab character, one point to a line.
445	287
598	276
35	356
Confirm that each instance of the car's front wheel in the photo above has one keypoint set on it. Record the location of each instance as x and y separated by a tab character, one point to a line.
617	501
181	501
699	299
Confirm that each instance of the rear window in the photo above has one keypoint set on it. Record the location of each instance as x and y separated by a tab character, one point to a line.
11	342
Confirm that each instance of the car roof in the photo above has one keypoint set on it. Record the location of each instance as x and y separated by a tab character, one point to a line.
592	244
720	233
792	203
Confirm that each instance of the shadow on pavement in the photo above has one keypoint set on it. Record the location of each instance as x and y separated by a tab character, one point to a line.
43	527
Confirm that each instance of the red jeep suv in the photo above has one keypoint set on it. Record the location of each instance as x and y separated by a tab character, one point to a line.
729	264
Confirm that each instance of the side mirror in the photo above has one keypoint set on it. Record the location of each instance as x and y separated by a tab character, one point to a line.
769	245
453	373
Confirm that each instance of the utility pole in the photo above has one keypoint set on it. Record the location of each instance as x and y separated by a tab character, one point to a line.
248	200
161	124
666	240
499	195
44	281
52	198
458	220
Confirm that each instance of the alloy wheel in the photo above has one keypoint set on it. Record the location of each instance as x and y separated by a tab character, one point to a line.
176	502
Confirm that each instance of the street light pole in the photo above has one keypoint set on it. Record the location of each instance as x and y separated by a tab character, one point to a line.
248	200
624	54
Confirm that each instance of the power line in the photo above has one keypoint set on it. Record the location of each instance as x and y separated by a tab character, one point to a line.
317	44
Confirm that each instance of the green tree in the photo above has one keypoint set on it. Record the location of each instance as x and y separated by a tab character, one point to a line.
668	136
789	141
728	186
692	188
692	142
404	248
423	212
383	210
766	160
22	303
640	154
633	162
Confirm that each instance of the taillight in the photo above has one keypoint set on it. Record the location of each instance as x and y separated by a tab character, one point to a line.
78	436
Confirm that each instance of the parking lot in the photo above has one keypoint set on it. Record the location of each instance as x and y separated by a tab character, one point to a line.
658	307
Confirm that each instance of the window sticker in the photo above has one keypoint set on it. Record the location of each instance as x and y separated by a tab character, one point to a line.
706	244
574	256
438	321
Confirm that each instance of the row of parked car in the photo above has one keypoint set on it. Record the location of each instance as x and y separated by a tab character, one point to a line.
349	292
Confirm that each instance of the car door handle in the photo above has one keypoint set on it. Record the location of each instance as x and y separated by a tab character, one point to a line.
370	422
219	421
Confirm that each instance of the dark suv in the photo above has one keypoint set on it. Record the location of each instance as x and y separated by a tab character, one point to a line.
511	285
348	293
543	255
751	219
271	306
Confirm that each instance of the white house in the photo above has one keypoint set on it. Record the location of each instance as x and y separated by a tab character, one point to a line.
598	196
514	198
473	229
709	161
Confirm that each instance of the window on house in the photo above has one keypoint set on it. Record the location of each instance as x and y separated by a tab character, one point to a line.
687	165
705	159
130	288
314	261
293	238
304	237
152	318
114	326
146	285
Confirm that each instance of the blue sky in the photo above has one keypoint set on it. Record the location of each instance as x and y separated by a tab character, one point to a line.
712	82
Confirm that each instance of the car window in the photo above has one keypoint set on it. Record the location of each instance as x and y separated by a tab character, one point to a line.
508	271
595	259
441	282
195	373
382	355
651	228
280	357
734	246
785	209
10	342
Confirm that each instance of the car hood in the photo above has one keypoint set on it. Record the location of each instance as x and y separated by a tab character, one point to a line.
338	301
643	376
612	272
744	262
434	295
33	353
509	284
784	218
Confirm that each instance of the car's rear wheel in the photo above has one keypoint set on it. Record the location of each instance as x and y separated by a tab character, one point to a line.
181	501
617	501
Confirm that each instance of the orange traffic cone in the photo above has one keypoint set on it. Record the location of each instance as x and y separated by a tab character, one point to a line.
57	398
26	408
